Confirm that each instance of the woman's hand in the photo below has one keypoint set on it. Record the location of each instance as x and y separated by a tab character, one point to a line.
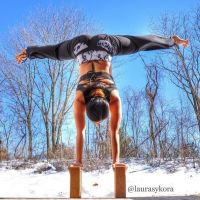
179	41
77	164
22	56
117	164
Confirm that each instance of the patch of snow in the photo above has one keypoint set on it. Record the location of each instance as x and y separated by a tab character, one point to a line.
142	180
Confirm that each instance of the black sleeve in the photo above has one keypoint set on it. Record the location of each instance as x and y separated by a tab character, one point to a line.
127	44
59	51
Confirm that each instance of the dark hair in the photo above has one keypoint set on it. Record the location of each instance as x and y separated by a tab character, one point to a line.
97	109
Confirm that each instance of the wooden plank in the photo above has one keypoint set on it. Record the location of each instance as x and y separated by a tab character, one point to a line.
75	181
120	180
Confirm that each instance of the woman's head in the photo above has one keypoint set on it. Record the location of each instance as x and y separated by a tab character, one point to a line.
97	106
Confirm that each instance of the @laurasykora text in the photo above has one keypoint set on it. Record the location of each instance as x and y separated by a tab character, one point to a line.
158	189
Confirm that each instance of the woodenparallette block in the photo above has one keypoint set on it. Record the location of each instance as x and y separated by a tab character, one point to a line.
120	180
75	181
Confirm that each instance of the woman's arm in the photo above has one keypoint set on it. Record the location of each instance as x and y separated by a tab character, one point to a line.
79	117
115	119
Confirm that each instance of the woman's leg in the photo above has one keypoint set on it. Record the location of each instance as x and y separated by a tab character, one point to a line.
79	116
115	111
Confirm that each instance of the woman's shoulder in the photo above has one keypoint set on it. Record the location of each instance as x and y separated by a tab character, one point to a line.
114	96
79	96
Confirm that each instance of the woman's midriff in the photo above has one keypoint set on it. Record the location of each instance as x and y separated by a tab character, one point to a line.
99	66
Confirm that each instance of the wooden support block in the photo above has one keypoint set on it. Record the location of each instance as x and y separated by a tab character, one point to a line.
75	181
120	180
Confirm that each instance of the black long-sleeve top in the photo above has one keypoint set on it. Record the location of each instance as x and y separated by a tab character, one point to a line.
99	47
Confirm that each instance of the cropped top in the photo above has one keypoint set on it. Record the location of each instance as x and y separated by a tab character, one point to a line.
85	48
94	81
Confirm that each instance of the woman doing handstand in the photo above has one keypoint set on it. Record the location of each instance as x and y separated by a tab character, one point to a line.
96	92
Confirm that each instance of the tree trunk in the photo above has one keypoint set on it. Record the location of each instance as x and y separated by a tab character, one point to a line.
30	138
53	129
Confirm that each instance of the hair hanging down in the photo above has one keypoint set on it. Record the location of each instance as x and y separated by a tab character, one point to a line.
97	107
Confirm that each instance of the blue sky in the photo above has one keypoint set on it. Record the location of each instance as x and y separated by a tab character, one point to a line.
115	17
127	16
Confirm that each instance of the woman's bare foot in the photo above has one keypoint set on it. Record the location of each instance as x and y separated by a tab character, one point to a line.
180	41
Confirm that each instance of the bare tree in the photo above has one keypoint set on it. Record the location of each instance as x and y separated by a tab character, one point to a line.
151	89
42	88
185	134
19	86
163	129
57	80
133	120
101	140
3	151
183	64
6	132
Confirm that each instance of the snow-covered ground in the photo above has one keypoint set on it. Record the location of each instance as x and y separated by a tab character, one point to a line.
153	181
